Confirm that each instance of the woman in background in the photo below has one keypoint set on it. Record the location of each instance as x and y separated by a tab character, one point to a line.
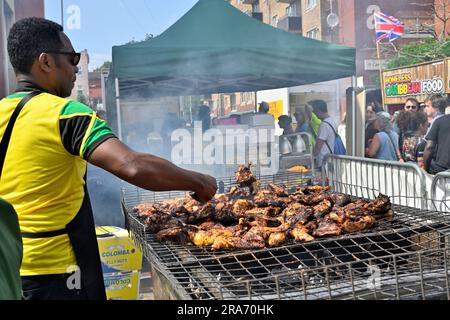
372	109
307	121
384	144
414	126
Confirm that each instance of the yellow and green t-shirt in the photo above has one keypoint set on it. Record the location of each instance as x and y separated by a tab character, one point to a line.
44	171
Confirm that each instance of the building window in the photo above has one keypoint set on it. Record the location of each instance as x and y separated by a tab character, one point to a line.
233	102
313	33
292	10
310	4
275	20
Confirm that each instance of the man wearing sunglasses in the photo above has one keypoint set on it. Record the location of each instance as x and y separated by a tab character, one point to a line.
412	105
46	141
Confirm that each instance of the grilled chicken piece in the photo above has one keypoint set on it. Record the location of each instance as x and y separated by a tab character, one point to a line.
360	224
313	189
264	211
338	218
380	206
146	209
300	233
297	213
176	234
245	178
220	212
322	209
339	199
267	198
278	190
312	226
202	238
241	206
327	228
312	199
233	243
276	239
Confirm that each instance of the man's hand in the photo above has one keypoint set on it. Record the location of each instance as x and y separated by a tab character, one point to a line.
207	189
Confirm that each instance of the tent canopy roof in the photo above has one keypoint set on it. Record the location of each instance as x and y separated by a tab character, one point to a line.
215	48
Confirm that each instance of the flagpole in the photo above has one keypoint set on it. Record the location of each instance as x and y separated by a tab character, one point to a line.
381	75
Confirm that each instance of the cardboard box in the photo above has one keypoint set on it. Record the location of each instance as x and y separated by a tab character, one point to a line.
122	286
118	253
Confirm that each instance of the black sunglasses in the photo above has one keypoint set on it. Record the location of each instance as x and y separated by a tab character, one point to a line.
76	56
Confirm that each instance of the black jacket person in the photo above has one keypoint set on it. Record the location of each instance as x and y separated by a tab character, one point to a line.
45	166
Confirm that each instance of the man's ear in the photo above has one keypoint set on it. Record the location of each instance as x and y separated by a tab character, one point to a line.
46	62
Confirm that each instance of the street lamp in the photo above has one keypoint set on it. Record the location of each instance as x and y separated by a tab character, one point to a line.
62	13
332	19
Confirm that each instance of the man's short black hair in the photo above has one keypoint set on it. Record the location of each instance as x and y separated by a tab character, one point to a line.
318	105
30	37
438	101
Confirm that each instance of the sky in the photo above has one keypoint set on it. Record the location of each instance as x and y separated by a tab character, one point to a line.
98	25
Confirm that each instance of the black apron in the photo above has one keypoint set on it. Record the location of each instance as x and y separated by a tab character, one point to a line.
81	230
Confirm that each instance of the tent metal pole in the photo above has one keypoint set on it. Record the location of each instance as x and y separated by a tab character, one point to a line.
256	101
119	116
354	84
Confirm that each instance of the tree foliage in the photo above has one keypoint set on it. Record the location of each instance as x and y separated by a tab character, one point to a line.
427	50
105	65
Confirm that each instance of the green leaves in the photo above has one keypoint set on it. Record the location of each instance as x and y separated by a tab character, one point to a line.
424	51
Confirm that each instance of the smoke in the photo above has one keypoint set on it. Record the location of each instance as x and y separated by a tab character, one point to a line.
105	194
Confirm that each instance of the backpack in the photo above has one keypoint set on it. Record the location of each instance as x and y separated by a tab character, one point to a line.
339	148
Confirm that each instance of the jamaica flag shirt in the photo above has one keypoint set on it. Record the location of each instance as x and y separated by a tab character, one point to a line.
44	170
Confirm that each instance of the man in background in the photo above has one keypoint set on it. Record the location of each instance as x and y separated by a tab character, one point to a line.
437	151
327	131
435	106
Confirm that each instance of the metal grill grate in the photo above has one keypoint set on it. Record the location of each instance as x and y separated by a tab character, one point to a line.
409	254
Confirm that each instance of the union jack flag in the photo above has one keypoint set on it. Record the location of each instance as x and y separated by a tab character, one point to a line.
387	27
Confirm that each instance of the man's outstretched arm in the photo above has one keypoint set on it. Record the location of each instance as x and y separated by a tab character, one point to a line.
150	172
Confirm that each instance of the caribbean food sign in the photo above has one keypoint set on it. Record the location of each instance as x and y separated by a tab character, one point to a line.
416	81
403	85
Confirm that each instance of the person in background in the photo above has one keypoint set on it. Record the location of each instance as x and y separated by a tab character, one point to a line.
307	121
327	131
413	126
372	109
437	151
10	253
435	106
204	115
263	107
44	174
412	106
285	123
384	144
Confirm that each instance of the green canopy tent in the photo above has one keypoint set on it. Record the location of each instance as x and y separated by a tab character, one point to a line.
215	48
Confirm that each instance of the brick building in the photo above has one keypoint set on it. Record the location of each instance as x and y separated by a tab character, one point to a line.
346	22
80	90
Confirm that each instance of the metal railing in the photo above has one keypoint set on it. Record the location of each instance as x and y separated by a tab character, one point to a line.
404	183
440	192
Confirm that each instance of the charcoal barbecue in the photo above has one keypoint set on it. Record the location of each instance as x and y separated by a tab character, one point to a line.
404	258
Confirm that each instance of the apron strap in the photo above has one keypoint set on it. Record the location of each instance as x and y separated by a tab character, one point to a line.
8	131
39	235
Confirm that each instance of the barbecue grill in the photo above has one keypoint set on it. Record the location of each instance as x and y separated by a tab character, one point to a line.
404	258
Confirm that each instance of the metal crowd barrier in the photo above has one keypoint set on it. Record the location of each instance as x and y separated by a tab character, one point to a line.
440	192
404	183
